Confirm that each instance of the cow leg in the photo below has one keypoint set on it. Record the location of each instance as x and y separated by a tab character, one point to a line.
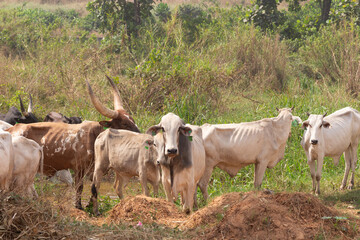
188	197
195	198
155	188
320	162
312	166
165	179
95	186
204	181
120	181
143	181
260	168
33	191
347	156
79	185
353	164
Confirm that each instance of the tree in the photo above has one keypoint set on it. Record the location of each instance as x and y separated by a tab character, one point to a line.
325	10
114	13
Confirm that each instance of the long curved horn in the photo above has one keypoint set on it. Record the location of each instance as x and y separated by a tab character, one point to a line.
325	114
22	108
30	107
101	108
118	103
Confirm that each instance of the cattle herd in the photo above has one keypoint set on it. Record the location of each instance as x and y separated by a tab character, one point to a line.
182	156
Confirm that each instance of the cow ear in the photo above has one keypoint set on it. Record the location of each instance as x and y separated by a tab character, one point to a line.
186	131
305	124
105	124
325	124
154	130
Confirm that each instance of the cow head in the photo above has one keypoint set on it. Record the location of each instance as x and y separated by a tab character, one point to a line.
120	119
172	127
160	147
314	128
28	116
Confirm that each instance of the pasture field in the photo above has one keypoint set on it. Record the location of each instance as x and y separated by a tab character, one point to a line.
224	71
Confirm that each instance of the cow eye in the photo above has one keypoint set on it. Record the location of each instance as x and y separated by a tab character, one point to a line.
320	125
310	125
154	145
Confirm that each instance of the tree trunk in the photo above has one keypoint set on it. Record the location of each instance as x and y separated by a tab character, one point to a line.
137	12
325	10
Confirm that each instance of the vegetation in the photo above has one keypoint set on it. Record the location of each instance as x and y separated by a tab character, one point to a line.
203	62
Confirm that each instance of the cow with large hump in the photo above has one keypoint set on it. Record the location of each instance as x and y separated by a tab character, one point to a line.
71	146
231	147
331	136
7	160
129	154
181	155
14	116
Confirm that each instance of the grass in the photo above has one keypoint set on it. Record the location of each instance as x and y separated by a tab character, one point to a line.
229	75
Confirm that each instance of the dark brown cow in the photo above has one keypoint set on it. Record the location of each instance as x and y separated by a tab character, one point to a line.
72	146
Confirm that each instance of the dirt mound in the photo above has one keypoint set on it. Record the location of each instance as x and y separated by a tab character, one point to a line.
257	215
214	212
146	210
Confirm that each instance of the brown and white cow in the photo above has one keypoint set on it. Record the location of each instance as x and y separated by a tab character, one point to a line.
231	147
6	160
129	154
332	136
27	161
181	156
71	146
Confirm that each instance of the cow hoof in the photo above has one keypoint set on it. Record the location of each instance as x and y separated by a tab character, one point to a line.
350	187
342	187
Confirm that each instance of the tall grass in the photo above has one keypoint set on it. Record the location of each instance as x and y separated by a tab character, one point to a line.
231	72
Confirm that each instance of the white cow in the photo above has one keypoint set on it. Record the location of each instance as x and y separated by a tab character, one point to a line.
5	125
231	147
332	136
182	158
6	160
27	161
129	154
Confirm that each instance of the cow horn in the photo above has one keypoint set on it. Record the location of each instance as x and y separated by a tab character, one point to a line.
307	113
30	107
22	108
118	103
101	108
292	108
325	114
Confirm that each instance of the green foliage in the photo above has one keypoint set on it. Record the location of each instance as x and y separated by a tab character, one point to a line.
115	13
192	17
345	9
264	14
162	11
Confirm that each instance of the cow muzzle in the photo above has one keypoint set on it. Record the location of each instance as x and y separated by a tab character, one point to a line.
314	142
172	152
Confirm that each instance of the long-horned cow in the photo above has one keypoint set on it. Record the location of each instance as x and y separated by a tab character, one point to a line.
181	156
71	146
331	136
14	116
129	154
231	147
